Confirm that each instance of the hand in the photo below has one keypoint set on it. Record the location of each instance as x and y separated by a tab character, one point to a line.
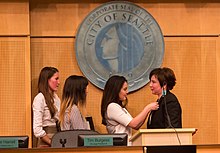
153	106
46	139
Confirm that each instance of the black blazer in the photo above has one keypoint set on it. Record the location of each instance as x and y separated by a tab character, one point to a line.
159	118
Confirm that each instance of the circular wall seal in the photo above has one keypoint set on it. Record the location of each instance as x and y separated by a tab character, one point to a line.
119	38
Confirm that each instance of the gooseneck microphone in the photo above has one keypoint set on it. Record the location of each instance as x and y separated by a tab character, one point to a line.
165	103
164	92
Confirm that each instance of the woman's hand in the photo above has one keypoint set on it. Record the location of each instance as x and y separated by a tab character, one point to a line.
152	106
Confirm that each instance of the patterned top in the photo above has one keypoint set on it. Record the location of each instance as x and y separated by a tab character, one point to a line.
73	120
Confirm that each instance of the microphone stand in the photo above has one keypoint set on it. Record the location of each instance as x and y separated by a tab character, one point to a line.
168	117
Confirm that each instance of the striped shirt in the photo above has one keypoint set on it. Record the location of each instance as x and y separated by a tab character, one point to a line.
74	120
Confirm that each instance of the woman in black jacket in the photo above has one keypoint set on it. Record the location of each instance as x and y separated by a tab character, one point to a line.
169	114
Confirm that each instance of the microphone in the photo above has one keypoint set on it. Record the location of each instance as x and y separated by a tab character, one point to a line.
168	117
164	93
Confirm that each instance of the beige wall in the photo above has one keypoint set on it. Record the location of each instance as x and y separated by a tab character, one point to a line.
38	33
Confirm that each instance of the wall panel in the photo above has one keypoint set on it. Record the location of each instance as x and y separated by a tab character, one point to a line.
15	92
14	17
63	18
187	18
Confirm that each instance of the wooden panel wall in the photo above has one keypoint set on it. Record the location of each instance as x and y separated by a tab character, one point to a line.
192	45
15	91
14	17
174	18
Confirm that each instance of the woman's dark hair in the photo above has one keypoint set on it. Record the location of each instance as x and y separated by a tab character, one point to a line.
74	92
43	87
165	76
111	94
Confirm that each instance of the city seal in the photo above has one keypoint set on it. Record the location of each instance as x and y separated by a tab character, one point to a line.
119	38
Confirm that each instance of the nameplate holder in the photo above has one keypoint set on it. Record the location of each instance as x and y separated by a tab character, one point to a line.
98	141
8	143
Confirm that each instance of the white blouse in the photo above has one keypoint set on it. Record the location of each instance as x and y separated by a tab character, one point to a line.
41	114
118	119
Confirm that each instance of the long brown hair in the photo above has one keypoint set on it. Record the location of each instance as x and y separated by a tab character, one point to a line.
74	92
111	94
43	87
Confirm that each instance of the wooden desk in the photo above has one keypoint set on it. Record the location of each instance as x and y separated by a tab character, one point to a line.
215	148
124	149
157	137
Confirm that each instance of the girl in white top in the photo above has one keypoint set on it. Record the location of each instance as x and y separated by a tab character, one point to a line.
73	111
114	114
46	106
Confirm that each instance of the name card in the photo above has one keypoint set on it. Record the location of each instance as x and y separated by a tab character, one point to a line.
8	143
98	141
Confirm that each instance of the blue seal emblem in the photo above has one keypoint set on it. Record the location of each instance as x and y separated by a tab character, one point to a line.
119	38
